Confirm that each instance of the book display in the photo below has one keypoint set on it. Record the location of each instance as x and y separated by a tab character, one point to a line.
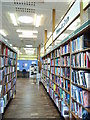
8	61
68	79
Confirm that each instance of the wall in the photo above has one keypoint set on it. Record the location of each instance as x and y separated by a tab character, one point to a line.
25	64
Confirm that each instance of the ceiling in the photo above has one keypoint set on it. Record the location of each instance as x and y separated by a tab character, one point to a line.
29	8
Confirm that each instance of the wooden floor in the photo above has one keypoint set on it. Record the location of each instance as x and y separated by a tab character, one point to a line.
31	102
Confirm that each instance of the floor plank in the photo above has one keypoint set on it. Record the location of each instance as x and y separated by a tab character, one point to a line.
31	101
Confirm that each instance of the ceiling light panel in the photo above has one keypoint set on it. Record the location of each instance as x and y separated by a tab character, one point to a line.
28	45
22	31
25	19
27	36
2	32
13	18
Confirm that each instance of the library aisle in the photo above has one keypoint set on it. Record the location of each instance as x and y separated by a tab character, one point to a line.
30	102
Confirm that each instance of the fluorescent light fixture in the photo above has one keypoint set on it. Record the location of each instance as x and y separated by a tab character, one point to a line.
28	49
27	36
25	19
2	32
28	31
6	40
62	36
13	18
38	20
28	45
74	25
20	53
15	48
11	45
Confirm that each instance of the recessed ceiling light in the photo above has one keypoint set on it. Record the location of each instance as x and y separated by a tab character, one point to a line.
13	18
25	19
28	45
28	31
27	36
2	32
37	20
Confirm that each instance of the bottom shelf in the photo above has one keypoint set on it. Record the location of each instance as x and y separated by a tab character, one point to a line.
58	103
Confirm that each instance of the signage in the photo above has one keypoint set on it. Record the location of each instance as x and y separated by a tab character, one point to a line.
70	16
85	3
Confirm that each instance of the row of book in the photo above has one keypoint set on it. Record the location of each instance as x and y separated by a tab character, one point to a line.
9	69
52	63
65	61
80	43
81	78
79	111
1	75
57	71
57	62
52	55
7	87
51	77
57	80
9	61
65	72
48	73
1	62
52	70
48	60
81	60
8	52
67	85
65	48
57	52
80	95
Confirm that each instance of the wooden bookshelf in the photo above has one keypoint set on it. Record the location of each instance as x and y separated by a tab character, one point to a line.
66	67
8	71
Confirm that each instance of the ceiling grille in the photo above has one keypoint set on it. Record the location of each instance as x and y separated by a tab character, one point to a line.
23	2
19	9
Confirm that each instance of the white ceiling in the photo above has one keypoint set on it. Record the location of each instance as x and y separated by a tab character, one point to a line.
41	7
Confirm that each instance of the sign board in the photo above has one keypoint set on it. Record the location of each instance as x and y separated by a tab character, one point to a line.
85	3
70	16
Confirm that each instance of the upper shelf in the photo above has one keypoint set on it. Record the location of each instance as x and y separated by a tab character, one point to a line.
72	35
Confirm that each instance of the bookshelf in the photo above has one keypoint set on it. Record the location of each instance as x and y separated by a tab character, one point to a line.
8	74
68	82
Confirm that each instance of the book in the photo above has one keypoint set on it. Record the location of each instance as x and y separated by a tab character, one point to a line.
85	115
86	96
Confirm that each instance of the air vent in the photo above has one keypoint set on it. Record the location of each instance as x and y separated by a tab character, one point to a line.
24	2
19	9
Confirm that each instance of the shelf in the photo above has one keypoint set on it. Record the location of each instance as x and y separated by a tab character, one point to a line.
65	78
84	50
65	54
80	68
65	66
57	75
57	57
57	66
7	82
7	91
87	109
66	91
9	73
80	86
74	115
66	104
52	58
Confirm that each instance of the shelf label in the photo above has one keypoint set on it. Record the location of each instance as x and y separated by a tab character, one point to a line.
70	16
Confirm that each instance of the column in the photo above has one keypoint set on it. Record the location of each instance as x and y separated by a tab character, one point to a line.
45	40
